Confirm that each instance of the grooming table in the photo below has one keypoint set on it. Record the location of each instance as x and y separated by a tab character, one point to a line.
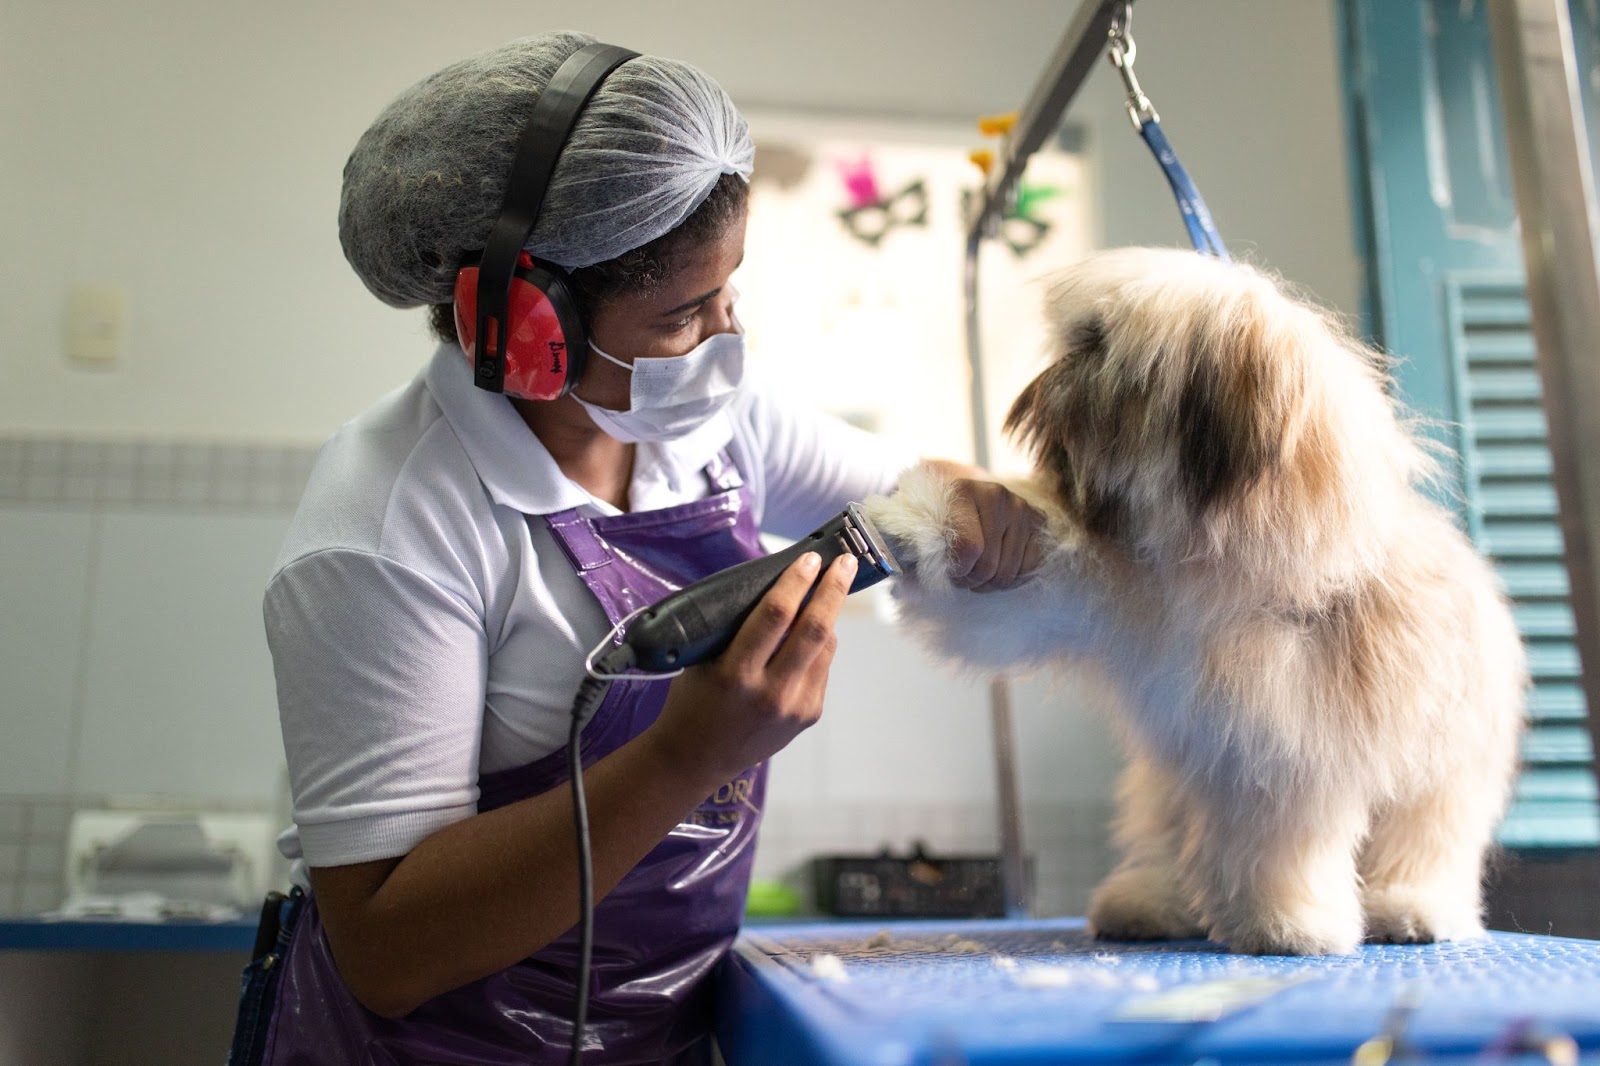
1044	991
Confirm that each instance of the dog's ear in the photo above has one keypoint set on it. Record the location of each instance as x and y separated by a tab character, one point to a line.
1034	420
1056	400
1058	418
1232	414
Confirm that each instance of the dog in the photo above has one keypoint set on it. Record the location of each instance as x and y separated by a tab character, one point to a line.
1317	680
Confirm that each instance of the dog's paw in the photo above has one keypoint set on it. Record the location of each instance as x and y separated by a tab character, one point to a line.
1400	914
1281	934
916	519
1137	908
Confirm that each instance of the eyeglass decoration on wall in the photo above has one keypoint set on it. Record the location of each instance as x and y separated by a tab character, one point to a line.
871	215
851	282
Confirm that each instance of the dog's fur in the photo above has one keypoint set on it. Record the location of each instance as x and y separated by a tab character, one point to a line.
1318	681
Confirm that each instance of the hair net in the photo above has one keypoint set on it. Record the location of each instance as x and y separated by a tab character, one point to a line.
424	185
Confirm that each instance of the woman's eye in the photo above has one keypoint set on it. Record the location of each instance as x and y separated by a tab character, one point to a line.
683	323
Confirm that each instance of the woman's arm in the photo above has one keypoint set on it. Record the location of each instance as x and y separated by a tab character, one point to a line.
812	463
485	892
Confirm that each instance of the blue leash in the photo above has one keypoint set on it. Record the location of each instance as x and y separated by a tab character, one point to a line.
1196	217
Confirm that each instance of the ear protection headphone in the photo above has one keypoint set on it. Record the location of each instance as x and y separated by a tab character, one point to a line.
534	345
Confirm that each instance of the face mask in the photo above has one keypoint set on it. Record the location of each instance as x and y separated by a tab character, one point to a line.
671	398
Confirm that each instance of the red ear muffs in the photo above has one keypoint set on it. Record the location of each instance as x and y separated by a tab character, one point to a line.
532	340
545	346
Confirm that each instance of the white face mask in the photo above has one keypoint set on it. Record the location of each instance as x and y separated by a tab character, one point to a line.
672	397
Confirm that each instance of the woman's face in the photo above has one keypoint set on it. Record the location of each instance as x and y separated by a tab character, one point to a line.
694	304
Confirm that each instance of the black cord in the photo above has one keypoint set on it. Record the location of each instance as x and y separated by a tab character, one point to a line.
590	694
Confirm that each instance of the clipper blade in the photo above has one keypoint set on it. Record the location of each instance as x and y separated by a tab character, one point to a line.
868	546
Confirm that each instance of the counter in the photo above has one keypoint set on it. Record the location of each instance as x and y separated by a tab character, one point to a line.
47	934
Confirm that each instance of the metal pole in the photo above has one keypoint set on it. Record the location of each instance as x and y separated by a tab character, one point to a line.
1002	727
1552	174
1081	47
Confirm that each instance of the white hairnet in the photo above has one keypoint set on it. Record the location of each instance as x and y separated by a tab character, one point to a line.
424	185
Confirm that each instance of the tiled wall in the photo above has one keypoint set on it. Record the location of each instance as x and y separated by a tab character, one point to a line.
132	667
152	475
32	834
133	670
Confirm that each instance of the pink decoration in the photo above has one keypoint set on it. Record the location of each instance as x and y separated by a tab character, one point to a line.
859	182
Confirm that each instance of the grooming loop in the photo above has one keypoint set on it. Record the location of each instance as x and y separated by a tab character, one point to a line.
1122	51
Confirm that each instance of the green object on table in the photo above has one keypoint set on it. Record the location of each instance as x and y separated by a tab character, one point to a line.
771	899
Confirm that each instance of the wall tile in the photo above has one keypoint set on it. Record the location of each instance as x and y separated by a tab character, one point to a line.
40	895
179	696
192	474
117	488
153	474
82	469
45	858
13	819
1066	751
793	778
980	823
42	468
43	594
32	847
897	729
49	817
11	452
233	474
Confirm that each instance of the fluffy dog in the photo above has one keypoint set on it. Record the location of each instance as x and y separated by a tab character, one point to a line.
1317	680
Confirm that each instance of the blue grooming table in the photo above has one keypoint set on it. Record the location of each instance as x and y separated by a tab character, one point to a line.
1045	991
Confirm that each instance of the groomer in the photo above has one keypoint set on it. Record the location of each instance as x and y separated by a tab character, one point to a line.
458	551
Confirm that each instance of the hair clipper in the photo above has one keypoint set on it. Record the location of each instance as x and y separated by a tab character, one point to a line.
698	622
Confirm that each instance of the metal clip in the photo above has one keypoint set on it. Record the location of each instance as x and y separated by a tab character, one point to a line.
1122	51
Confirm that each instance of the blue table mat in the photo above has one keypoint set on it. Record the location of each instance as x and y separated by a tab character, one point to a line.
1046	991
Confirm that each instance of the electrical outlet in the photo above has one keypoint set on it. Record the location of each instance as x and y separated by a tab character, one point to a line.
96	320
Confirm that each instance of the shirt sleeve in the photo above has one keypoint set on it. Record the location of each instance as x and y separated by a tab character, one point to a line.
813	463
381	675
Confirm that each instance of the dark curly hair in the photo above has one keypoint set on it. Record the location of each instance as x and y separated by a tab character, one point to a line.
645	268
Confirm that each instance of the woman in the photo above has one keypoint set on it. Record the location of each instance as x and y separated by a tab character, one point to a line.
457	553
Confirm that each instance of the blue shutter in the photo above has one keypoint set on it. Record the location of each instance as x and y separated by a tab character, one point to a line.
1511	515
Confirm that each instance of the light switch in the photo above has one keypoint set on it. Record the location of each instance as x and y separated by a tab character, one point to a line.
96	318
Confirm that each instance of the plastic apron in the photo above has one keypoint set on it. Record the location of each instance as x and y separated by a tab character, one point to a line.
657	935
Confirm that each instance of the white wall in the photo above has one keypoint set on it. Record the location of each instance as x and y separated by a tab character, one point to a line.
190	153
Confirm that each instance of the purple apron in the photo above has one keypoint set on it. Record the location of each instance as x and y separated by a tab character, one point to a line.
657	934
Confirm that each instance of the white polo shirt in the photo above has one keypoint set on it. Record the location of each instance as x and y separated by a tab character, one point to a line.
424	630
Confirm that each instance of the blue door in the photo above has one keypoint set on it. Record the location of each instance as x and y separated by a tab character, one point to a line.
1445	294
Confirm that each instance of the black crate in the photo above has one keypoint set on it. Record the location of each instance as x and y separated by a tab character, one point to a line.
917	885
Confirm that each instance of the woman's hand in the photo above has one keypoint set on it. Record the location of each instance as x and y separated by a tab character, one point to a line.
727	715
997	544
